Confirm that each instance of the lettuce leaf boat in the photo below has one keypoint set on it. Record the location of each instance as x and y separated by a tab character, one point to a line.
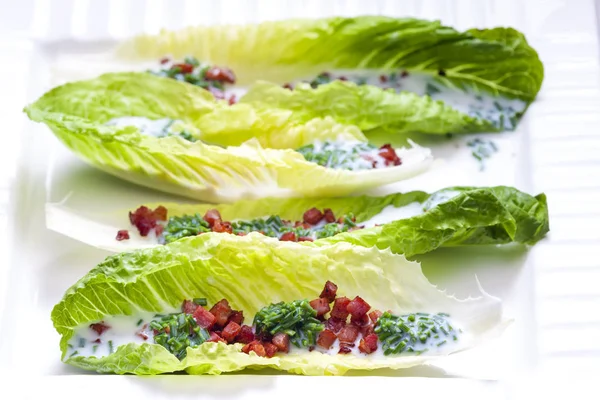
411	223
191	161
485	77
253	272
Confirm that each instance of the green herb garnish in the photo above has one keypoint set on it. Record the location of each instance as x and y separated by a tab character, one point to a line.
330	155
296	318
482	150
177	332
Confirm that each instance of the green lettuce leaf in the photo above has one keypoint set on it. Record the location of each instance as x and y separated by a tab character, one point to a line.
370	108
453	217
251	272
76	113
498	61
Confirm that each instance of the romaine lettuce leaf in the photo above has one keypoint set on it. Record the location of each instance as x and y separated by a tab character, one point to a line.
454	216
498	61
251	272
76	113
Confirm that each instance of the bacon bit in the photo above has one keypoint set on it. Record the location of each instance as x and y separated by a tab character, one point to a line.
404	74
389	154
184	68
204	318
142	335
237	317
374	315
232	100
220	74
360	321
313	216
189	307
123	234
304	225
165	60
329	291
343	78
328	214
217	93
288	237
340	308
256	347
288	86
321	306
383	78
221	310
282	341
145	219
311	348
160	213
168	329
97	341
159	230
214	337
358	307
222	226
367	329
335	324
270	349
345	349
441	72
211	216
245	335
306	239
368	344
325	74
100	327
231	331
326	339
348	334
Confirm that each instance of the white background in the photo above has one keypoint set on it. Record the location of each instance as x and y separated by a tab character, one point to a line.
563	128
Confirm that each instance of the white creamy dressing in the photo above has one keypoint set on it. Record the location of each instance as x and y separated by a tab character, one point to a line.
151	127
369	159
123	330
499	110
391	213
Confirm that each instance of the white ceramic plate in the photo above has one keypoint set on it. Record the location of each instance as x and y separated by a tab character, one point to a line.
551	293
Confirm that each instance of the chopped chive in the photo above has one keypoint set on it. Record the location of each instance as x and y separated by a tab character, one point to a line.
201	301
141	321
441	343
74	353
81	342
110	347
94	348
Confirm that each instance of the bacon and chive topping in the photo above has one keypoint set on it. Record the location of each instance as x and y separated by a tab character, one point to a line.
328	323
210	77
391	80
315	224
350	156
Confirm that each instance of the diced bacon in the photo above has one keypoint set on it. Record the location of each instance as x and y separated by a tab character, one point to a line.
360	321
232	100
343	78
348	334
214	337
389	154
220	74
160	213
159	229
165	60
211	216
189	307
306	239
99	327
217	93
374	315
167	329
300	224
99	341
358	307
141	334
321	306
326	339
204	318
245	335
184	68
270	349
222	227
231	331
288	237
368	344
329	291
383	78
282	341
288	86
367	329
237	317
329	216
256	347
340	308
221	310
335	324
404	74
241	233
345	348
313	216
123	234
